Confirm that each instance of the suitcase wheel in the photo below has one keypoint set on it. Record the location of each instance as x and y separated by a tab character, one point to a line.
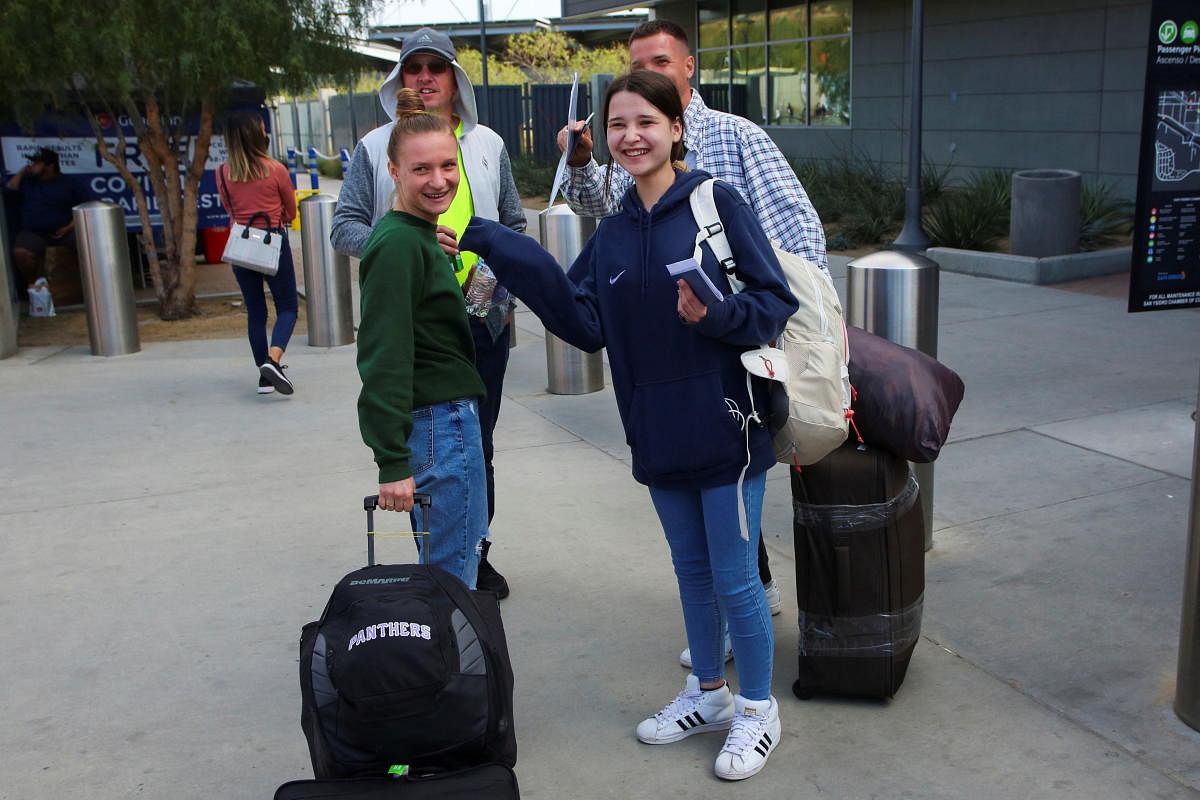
804	691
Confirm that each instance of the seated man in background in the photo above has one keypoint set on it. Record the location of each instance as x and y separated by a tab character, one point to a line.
45	220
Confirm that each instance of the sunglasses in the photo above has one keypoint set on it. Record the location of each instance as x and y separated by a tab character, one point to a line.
435	67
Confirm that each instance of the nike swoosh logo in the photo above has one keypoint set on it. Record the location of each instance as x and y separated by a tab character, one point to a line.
613	279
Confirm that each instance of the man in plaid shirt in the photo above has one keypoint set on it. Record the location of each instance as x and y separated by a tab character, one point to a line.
729	147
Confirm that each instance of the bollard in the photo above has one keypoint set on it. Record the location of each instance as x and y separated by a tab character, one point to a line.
1044	219
569	370
1187	678
314	176
107	280
326	276
895	295
291	159
9	309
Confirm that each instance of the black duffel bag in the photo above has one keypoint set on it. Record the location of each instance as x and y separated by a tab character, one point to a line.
406	666
904	400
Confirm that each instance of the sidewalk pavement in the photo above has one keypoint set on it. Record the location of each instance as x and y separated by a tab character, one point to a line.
166	532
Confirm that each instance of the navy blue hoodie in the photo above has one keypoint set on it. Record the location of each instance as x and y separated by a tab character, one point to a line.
681	389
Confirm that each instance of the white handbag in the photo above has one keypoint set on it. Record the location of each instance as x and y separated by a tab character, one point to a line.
253	248
249	247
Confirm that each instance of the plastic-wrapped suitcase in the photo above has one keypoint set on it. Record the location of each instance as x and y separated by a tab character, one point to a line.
405	666
485	782
860	572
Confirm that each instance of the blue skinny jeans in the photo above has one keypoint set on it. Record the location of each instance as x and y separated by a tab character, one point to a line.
717	571
287	305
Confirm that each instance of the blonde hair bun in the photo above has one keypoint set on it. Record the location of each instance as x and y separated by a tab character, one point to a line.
408	103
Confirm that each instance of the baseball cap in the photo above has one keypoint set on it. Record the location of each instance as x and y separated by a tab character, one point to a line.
427	40
44	156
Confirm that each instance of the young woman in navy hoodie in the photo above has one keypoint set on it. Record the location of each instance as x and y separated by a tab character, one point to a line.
683	398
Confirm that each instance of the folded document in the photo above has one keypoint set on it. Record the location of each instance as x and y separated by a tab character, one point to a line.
696	278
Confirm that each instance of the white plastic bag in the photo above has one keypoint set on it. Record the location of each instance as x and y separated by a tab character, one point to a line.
41	304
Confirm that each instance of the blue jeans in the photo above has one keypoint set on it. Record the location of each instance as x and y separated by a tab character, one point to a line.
718	579
447	462
287	305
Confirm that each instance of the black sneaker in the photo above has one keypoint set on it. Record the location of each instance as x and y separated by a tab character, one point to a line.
273	372
264	385
488	579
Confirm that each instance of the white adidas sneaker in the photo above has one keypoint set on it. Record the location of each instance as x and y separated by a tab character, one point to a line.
753	736
685	658
692	711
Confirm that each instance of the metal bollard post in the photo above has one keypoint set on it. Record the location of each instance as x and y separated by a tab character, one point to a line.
9	309
569	369
326	276
107	280
1187	678
895	295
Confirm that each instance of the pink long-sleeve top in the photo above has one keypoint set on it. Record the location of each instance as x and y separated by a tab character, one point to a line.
272	195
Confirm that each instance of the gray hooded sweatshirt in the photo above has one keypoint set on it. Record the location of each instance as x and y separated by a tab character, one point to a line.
367	188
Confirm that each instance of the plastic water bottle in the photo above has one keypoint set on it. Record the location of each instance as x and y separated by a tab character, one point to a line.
480	290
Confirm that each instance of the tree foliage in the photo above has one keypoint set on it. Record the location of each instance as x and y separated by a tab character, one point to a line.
168	66
500	73
548	56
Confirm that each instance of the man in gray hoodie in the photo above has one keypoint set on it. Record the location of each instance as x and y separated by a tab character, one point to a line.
428	65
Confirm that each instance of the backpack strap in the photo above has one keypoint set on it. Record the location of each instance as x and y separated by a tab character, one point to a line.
712	230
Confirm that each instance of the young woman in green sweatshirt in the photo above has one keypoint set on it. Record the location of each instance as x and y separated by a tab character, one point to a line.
418	409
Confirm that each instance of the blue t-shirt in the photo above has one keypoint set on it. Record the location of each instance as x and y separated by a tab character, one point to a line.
46	204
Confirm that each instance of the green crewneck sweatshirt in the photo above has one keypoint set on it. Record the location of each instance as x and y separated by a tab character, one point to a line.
414	343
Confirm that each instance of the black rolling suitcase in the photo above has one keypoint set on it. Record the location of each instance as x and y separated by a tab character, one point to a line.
406	666
486	782
860	572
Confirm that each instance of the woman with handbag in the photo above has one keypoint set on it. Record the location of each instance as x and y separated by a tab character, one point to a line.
257	192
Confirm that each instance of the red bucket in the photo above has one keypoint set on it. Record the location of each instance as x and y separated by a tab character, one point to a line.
214	240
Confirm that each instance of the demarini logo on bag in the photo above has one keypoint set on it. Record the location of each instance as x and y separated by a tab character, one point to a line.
384	630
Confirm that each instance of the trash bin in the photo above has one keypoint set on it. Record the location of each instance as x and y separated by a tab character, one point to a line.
569	370
326	276
214	241
1044	218
895	295
107	279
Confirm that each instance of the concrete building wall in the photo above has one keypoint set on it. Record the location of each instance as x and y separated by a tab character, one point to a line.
1014	84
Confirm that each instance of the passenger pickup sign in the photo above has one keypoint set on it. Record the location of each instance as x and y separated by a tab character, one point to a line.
1166	231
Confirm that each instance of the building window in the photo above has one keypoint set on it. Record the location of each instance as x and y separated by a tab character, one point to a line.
776	62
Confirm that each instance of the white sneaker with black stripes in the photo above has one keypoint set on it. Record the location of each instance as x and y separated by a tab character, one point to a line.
692	711
753	736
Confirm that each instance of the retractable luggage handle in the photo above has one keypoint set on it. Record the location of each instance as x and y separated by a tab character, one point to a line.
370	503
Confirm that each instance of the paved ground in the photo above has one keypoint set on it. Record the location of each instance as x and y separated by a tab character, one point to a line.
166	532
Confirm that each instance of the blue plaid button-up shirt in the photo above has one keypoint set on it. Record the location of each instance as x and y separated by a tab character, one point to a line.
736	151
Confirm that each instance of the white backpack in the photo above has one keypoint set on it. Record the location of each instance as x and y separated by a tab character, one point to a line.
813	342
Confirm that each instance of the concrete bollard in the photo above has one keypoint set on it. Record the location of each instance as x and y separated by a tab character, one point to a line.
569	369
895	295
1044	219
107	279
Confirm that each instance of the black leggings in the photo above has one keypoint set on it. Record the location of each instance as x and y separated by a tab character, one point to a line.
764	568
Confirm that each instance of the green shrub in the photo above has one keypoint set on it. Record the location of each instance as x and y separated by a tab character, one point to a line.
973	216
533	178
1105	217
329	168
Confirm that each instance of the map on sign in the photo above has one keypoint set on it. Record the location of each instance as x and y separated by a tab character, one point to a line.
1177	142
